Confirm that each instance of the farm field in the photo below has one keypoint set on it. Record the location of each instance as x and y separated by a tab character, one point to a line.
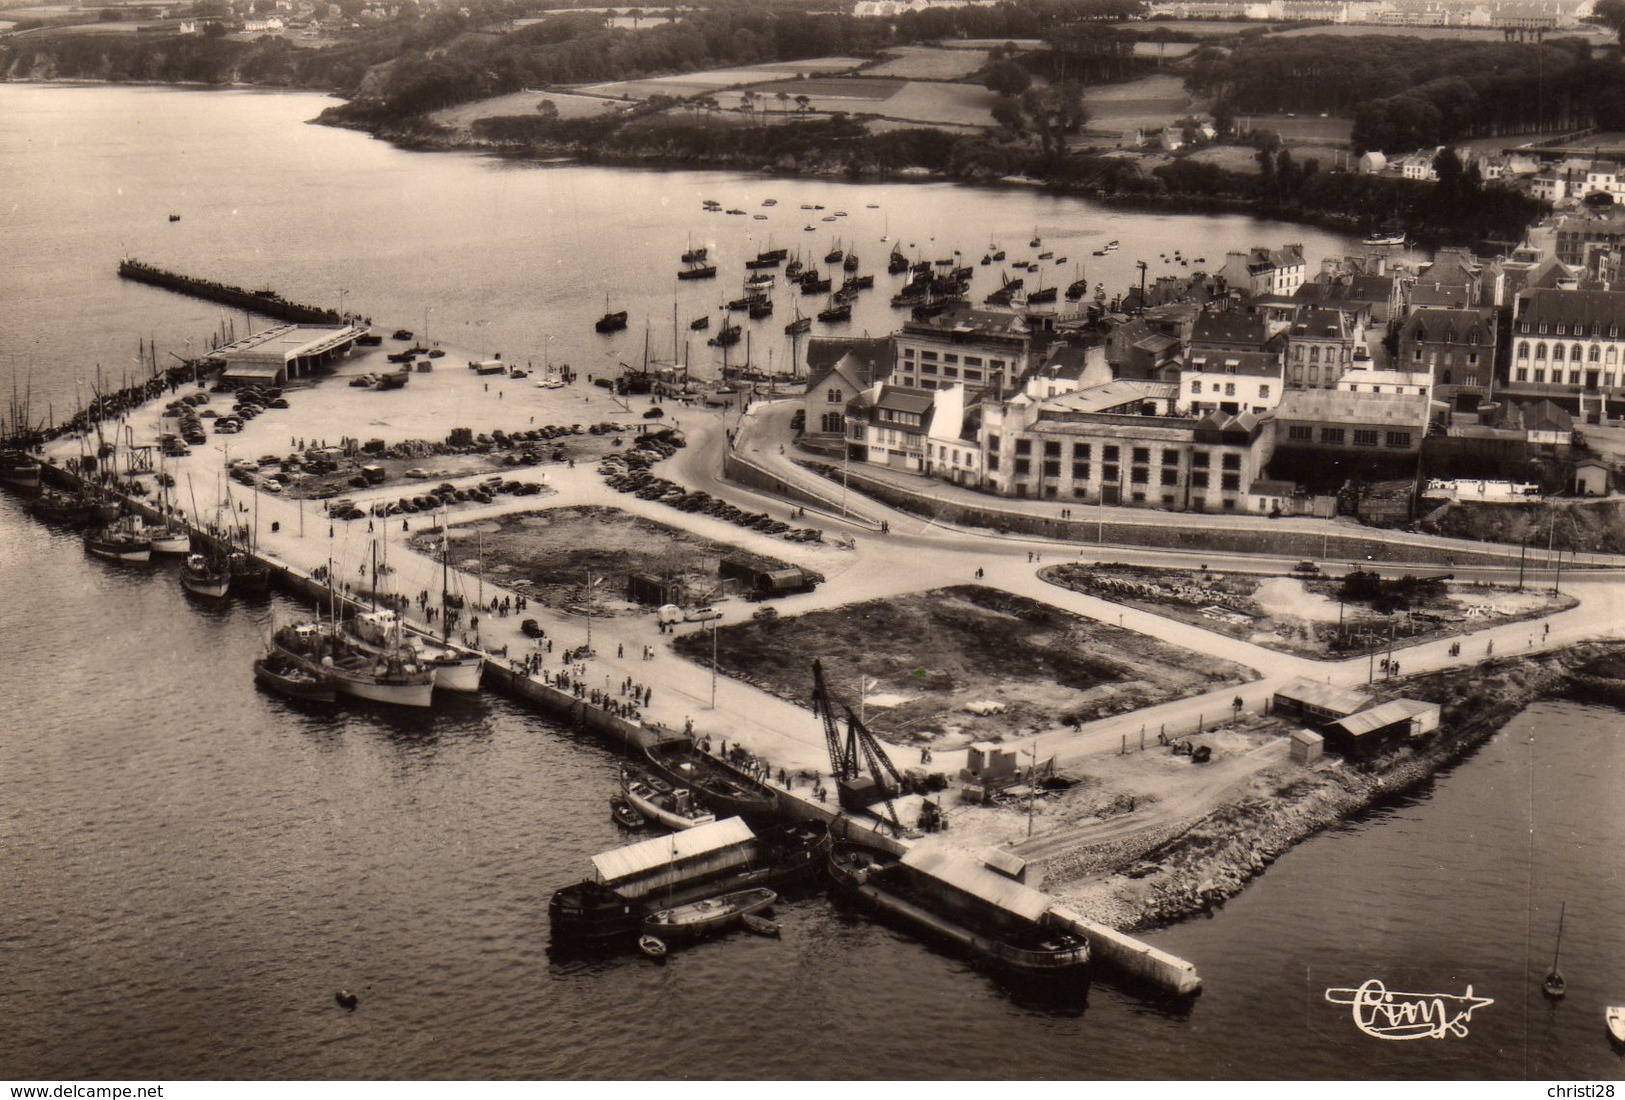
929	63
924	102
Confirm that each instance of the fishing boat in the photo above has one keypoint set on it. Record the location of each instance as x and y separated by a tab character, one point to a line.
726	790
18	468
381	631
836	313
811	284
1077	289
1554	986
700	324
760	925
625	816
611	322
761	309
699	271
757	282
707	917
1615	1016
56	506
1383	240
294	679
896	263
119	541
390	678
249	575
652	946
1046	255
695	255
206	575
799	326
851	262
728	335
1041	296
948	895
673	807
835	255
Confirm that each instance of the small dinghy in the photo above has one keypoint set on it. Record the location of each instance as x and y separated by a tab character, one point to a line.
1616	1023
652	946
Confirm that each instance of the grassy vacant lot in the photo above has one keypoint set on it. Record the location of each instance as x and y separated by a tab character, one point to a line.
929	63
524	103
928	656
926	102
555	548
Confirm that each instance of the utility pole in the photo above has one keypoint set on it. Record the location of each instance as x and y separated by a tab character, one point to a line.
713	664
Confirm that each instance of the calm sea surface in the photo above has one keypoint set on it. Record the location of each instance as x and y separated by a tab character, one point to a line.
192	867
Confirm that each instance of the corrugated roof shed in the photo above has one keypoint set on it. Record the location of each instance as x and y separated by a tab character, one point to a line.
965	873
635	859
1383	714
1325	696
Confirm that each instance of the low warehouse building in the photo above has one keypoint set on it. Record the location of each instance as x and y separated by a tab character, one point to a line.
1382	726
1316	704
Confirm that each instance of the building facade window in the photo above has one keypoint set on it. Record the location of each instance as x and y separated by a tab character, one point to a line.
1365	437
1399	439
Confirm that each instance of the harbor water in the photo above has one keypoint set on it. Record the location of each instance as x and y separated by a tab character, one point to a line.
194	867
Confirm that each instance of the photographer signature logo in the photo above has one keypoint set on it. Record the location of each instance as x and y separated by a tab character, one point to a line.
1386	1014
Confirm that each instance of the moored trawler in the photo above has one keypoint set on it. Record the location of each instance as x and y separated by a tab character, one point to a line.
296	679
948	894
18	470
719	785
454	669
673	807
118	541
206	576
386	678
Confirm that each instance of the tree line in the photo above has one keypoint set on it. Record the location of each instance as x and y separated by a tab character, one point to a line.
1406	93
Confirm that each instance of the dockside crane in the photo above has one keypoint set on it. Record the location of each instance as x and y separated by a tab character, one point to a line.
847	757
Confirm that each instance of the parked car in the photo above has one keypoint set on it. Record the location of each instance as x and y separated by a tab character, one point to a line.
701	614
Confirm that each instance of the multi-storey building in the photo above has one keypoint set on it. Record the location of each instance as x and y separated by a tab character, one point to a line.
1265	270
983	349
1321	345
837	370
1123	443
1566	345
1233	382
1456	347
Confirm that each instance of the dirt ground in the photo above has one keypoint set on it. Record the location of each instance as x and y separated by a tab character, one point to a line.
554	550
961	664
1299	614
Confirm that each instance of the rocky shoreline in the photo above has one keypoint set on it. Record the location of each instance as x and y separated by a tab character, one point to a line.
1152	883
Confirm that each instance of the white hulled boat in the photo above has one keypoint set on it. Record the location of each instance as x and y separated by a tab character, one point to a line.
376	632
384	678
